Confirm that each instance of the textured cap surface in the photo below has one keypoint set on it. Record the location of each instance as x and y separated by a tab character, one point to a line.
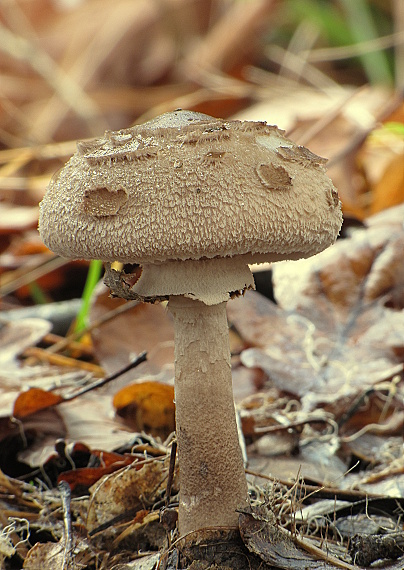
186	186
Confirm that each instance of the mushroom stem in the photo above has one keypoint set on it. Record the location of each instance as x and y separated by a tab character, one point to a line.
212	478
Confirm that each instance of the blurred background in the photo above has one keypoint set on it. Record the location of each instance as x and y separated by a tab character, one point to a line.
329	72
318	377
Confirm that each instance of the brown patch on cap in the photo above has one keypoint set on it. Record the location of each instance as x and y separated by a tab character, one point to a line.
274	177
300	154
103	202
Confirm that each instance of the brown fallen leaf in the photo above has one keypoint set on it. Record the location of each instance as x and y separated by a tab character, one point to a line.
263	536
50	555
125	493
144	327
335	334
381	159
389	190
16	336
84	477
46	556
34	400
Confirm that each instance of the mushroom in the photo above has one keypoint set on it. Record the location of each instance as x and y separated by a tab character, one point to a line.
193	200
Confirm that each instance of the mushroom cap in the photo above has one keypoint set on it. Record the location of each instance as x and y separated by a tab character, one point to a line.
187	186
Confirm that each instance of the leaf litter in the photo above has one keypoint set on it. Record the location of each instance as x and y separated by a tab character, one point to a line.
314	416
318	376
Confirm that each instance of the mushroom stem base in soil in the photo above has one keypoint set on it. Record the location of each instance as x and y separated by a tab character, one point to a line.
212	478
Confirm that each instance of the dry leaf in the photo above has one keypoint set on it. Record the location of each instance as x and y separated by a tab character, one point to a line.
381	158
47	556
125	492
144	327
34	400
339	336
267	539
84	477
389	190
50	555
147	406
16	336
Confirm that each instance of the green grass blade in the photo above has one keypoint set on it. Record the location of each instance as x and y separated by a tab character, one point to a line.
363	28
93	276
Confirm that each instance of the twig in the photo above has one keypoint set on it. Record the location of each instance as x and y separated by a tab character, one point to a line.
321	491
325	120
67	89
61	360
355	50
65	495
138	360
39	151
51	264
296	65
357	139
80	347
320	554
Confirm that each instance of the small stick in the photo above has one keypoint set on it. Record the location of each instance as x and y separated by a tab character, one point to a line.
51	264
65	495
80	347
61	360
321	491
98	383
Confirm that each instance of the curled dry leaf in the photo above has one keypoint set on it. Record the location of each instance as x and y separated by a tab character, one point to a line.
15	337
50	555
84	477
356	270
381	160
389	190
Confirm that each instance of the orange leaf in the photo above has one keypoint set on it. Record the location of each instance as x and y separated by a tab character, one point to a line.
87	476
389	191
34	400
147	406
